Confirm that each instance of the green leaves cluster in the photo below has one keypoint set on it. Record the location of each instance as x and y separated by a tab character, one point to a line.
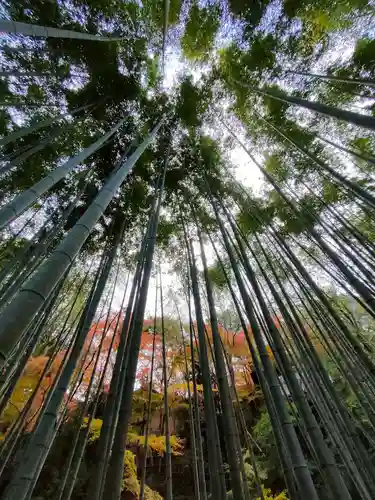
201	29
192	102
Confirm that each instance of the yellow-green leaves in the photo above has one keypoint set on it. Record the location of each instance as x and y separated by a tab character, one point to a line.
200	32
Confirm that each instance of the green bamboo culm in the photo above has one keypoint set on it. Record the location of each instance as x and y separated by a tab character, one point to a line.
168	452
78	450
240	415
118	377
324	454
323	109
230	428
149	403
34	30
9	378
318	372
27	259
21	202
217	485
25	476
363	290
284	457
112	490
193	436
355	188
361	156
24	131
196	412
165	26
20	74
300	468
18	160
33	294
333	78
115	389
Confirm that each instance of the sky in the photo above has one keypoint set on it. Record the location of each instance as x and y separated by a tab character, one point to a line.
245	170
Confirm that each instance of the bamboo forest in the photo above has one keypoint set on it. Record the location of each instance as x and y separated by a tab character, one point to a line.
187	249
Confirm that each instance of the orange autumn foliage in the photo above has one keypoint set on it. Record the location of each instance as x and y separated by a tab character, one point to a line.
234	342
25	387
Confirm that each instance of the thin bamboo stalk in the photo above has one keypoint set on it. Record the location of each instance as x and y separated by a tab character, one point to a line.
333	78
168	451
149	405
22	132
34	30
